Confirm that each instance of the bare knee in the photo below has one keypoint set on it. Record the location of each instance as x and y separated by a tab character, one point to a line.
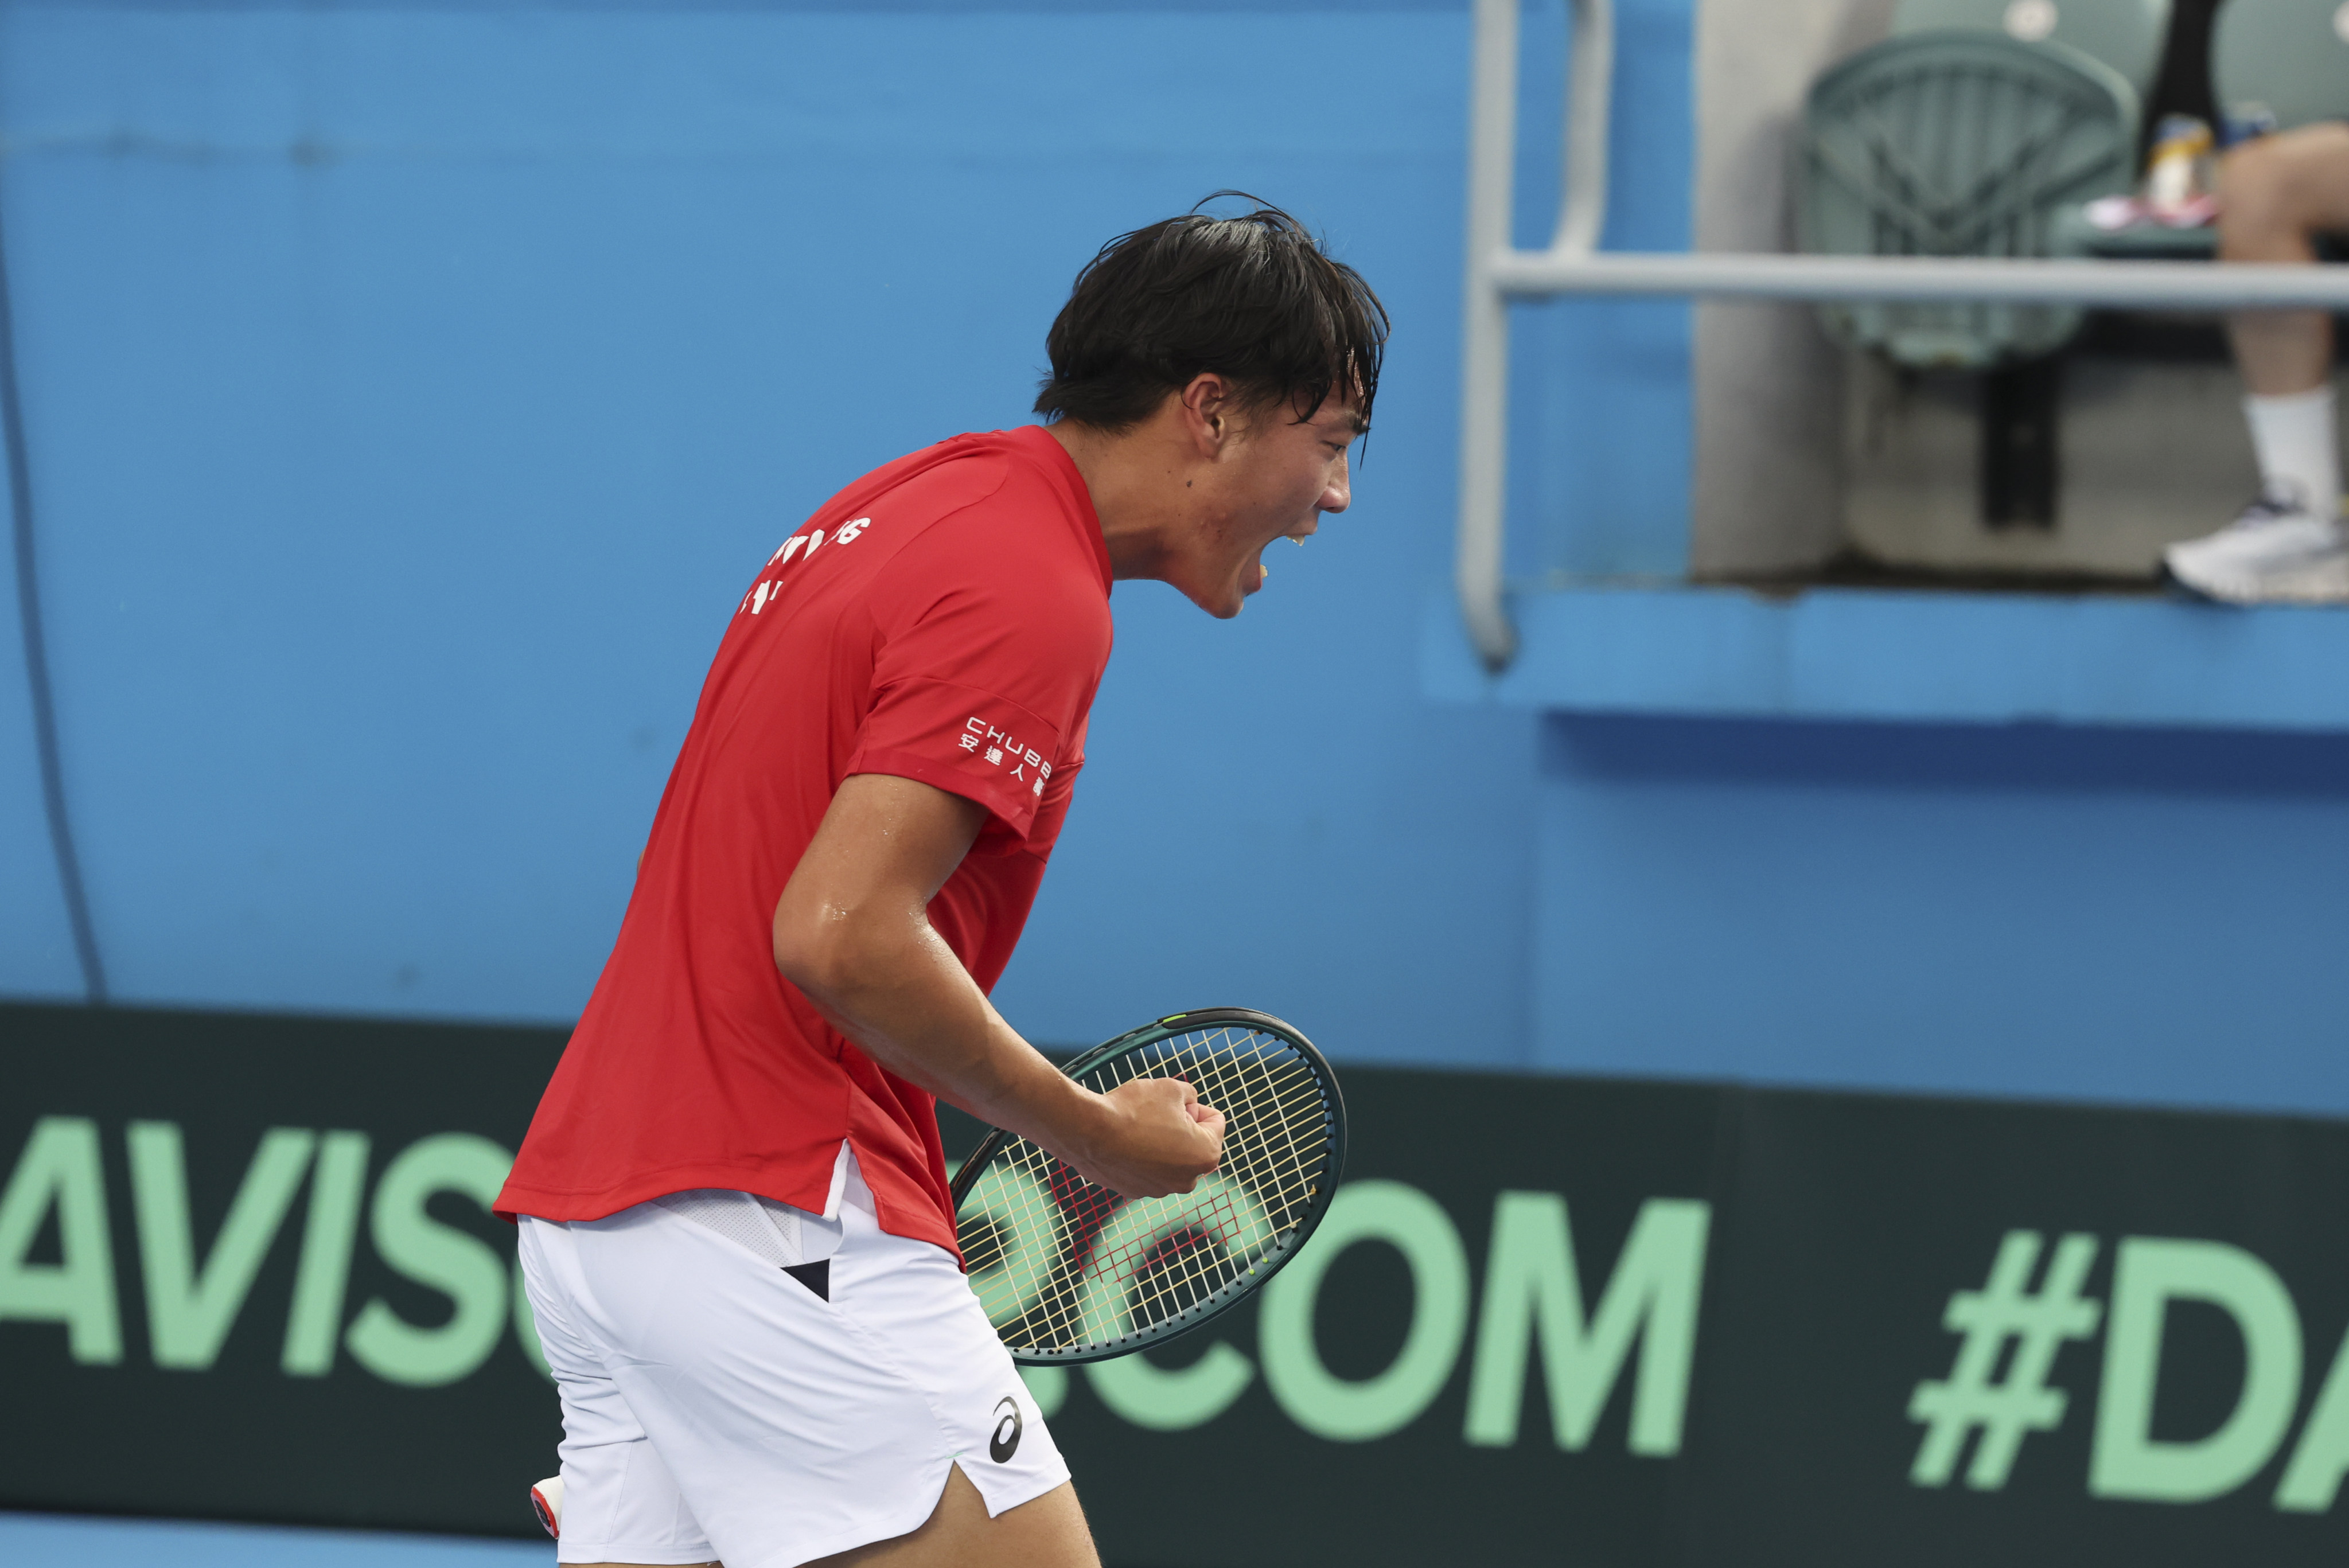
2278	190
1046	1532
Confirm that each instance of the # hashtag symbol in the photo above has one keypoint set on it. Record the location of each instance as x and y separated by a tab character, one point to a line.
2002	1310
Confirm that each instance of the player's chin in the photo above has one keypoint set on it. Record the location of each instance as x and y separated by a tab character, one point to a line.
1224	597
1227	600
1223	603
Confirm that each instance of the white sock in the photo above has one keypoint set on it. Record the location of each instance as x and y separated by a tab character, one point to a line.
2300	454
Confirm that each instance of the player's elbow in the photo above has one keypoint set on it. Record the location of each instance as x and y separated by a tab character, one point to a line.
805	953
831	954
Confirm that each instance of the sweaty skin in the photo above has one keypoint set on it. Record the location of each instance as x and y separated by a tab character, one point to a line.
852	931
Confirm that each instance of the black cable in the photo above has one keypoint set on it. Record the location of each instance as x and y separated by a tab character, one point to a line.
36	657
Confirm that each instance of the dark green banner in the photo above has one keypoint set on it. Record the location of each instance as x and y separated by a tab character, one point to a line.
245	1271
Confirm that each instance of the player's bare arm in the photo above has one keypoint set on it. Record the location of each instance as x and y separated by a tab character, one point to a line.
851	931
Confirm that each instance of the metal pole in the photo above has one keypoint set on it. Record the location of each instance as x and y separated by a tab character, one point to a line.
2176	285
1485	332
1589	98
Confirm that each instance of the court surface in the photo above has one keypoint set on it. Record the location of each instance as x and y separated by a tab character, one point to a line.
40	1540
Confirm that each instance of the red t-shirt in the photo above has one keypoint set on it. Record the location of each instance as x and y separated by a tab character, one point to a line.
945	618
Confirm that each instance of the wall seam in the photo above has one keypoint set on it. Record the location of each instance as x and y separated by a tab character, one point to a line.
36	660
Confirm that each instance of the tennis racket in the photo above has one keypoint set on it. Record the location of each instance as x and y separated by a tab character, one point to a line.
1068	1270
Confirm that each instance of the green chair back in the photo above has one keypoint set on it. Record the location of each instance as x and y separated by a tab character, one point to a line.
1958	144
2289	55
2126	34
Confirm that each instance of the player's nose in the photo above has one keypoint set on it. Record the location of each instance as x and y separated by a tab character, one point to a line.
1339	494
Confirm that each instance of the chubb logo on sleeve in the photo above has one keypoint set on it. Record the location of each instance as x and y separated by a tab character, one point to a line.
1001	749
813	541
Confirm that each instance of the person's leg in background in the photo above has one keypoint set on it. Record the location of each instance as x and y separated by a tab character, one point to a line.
2280	191
2276	193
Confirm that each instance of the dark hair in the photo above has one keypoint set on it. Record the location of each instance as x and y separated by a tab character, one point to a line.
1253	298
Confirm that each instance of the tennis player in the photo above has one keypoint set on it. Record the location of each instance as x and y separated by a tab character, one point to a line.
735	1228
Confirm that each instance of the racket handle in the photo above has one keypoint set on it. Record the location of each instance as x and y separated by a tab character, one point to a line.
546	1501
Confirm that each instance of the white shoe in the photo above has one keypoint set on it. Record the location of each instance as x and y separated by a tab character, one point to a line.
2276	552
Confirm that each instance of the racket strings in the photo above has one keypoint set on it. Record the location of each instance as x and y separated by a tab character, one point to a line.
1250	1151
1264	1148
1154	1258
1248	1136
1198	1268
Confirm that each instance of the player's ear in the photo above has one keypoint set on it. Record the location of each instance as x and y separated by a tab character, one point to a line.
1207	407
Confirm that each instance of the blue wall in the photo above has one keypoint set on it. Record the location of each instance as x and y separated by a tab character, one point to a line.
411	389
2147	915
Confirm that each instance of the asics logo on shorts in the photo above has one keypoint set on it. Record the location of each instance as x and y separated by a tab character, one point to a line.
1005	1440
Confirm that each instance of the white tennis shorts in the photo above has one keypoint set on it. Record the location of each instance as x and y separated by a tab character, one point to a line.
748	1382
